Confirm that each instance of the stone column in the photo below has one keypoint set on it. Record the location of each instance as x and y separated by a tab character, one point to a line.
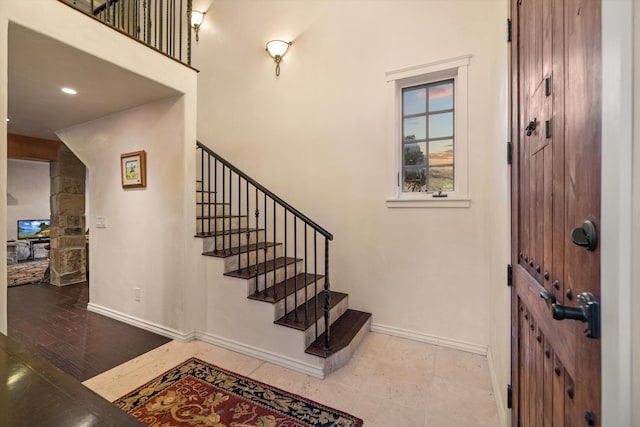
68	255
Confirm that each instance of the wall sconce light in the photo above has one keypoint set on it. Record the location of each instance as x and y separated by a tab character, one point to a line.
276	50
196	20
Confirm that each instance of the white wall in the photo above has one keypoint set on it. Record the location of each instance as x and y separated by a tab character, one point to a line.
327	121
88	36
4	37
28	191
141	247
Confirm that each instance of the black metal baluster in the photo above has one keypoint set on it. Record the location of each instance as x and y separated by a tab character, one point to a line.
239	215
160	24
315	274
265	245
295	269
327	295
180	36
285	261
230	210
189	9
209	194
306	296
202	191
257	212
224	198
248	222
275	293
239	229
215	202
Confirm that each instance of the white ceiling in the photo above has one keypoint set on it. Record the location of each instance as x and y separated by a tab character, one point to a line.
40	66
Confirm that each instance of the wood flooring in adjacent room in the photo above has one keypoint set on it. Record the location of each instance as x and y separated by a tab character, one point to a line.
54	323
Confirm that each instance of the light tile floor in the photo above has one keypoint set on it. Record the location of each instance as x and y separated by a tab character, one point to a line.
389	381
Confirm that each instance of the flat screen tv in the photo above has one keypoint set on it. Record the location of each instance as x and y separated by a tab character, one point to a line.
34	229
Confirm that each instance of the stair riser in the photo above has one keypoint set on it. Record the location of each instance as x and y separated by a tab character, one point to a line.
279	306
208	242
341	358
231	263
204	197
279	277
334	314
220	223
213	210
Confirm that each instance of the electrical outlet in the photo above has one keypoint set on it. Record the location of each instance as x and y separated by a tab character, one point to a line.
101	222
137	292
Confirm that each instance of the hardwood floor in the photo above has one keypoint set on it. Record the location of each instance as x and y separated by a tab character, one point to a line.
54	323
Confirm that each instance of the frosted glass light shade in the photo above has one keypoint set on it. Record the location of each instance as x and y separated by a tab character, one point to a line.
196	18
277	48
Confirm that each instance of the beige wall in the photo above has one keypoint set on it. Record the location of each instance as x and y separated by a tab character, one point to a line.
321	136
146	227
635	260
168	304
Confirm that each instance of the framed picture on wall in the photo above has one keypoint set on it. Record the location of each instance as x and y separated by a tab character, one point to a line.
133	169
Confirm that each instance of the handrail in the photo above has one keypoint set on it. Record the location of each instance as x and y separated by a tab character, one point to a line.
253	182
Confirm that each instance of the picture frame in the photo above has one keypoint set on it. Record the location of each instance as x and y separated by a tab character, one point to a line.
133	169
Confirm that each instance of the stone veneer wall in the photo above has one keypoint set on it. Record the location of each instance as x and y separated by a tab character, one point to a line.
68	243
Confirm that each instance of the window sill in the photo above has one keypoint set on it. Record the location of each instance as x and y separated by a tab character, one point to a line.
428	202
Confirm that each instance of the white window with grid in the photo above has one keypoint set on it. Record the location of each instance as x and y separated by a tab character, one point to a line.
430	135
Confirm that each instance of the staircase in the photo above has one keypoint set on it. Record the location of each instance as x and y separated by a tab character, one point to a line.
280	255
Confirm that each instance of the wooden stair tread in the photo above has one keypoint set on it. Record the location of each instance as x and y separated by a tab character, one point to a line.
232	231
249	272
343	330
213	203
240	249
304	279
301	324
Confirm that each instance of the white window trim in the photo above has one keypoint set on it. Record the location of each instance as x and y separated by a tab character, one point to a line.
457	69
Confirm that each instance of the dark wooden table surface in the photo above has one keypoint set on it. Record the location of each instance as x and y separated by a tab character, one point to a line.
33	392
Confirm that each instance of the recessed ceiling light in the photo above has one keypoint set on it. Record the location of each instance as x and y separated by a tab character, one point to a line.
69	91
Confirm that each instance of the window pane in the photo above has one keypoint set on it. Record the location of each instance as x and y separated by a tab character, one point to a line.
441	152
415	154
414	101
440	125
441	178
441	97
415	179
415	128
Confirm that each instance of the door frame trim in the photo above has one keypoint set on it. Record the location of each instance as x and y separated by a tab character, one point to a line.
617	213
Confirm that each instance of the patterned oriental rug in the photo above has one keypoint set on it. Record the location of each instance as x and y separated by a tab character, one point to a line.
24	273
196	393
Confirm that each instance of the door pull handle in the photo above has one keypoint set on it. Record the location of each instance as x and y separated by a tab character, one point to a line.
587	311
585	236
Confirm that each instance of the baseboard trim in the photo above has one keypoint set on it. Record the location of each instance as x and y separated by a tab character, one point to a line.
430	339
267	356
141	323
498	392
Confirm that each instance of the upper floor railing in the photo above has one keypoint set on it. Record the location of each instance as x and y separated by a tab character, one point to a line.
160	24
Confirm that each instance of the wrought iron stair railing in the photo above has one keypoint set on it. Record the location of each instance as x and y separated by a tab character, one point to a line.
227	186
163	25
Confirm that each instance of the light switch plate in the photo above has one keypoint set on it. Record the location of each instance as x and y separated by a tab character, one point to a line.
101	222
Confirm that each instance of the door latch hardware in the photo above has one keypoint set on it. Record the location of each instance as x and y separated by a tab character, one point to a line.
586	236
547	129
531	127
588	311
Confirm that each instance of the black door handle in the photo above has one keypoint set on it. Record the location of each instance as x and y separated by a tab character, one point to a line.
588	311
586	236
531	127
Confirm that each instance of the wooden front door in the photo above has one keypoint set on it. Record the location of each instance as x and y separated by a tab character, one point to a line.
556	134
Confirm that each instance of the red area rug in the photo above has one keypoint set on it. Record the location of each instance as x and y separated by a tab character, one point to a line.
196	393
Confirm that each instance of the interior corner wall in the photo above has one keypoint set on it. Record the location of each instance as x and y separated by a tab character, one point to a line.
142	245
28	191
321	136
4	48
